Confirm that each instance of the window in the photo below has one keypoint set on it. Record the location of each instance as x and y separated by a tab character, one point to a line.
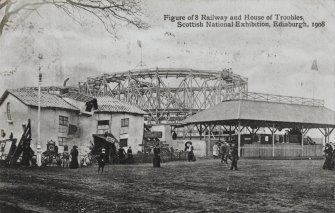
125	122
2	147
124	142
103	126
63	121
9	117
103	122
61	141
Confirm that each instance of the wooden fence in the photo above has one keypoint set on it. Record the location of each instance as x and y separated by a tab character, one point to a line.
281	150
165	157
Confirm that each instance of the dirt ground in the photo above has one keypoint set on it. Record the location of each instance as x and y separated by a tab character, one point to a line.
202	186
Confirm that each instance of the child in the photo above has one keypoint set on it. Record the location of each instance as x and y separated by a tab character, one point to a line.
101	160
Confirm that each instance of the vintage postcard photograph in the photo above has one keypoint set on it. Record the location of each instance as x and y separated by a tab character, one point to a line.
167	106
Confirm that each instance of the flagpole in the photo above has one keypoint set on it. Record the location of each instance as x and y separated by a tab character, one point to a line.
314	68
141	57
39	160
141	64
313	83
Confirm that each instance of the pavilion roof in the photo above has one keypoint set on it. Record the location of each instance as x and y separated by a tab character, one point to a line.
260	112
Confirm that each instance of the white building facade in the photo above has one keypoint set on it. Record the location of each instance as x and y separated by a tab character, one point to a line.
64	119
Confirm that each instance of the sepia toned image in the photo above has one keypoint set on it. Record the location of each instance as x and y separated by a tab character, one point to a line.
167	106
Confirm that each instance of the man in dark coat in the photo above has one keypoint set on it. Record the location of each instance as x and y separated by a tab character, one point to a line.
234	157
130	158
101	160
157	157
223	151
122	155
26	152
74	158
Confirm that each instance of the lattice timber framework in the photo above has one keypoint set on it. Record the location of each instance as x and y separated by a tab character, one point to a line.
168	95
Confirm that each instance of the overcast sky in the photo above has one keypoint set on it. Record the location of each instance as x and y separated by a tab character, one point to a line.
274	60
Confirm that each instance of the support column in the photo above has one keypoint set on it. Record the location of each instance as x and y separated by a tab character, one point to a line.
273	131
200	131
302	141
273	140
327	133
219	131
209	141
239	138
324	134
303	134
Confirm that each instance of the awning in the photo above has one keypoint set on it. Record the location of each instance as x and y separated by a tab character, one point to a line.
107	137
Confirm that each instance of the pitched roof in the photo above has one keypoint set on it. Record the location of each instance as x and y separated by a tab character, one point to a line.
29	97
265	111
109	104
78	96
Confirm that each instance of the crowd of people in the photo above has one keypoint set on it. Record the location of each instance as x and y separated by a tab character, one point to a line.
226	151
221	150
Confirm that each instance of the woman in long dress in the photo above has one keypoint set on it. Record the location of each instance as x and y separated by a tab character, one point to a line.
191	154
329	154
74	158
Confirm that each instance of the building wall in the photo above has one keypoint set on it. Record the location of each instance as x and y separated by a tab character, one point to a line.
166	132
200	146
50	127
20	114
134	132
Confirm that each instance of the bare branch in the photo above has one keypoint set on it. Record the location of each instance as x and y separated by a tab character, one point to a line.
4	3
108	12
5	18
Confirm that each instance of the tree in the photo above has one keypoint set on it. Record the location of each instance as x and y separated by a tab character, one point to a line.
108	12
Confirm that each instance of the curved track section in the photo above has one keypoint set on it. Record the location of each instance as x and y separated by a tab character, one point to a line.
168	95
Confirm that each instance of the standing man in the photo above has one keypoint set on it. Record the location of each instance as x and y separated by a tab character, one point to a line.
234	156
66	156
122	155
101	160
223	148
130	158
157	156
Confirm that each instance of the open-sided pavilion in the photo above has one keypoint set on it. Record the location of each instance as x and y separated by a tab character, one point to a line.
278	114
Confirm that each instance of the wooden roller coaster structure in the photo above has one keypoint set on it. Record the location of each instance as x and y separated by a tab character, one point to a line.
168	95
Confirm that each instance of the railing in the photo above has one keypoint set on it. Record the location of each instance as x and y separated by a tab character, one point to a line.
279	99
281	150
